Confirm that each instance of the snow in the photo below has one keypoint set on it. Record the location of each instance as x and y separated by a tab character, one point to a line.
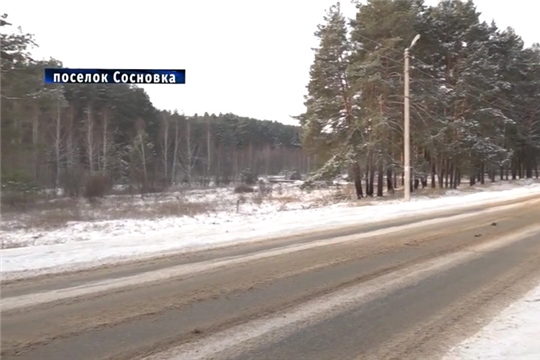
513	334
104	239
83	244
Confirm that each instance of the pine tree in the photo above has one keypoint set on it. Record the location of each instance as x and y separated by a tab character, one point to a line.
460	138
328	123
381	31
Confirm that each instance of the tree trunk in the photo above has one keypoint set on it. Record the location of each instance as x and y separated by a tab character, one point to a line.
69	142
520	164
105	149
450	174
189	152
457	177
165	148
529	163
217	170
440	174
389	185
482	173
368	187
371	176
380	179
358	180
143	159
57	144
90	139
208	151
447	174
175	154
235	165
433	170
35	139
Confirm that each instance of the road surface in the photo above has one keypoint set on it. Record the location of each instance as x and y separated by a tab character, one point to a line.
403	289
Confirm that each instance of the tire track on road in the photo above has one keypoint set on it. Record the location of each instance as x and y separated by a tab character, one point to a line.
234	341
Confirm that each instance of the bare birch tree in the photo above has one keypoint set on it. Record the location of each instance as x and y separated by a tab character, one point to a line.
176	147
165	144
107	143
208	149
188	155
59	140
90	144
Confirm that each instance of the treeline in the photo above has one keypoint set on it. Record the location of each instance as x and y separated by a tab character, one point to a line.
475	96
62	136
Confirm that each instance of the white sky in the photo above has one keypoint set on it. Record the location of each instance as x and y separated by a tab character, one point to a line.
247	57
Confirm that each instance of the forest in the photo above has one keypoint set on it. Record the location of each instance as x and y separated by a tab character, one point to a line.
475	113
474	95
60	137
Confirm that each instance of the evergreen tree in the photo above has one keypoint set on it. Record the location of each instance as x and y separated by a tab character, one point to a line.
328	124
381	30
474	95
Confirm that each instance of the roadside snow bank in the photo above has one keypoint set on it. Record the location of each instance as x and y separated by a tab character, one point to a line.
514	334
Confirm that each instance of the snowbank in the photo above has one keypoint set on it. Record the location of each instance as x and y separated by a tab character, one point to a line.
513	334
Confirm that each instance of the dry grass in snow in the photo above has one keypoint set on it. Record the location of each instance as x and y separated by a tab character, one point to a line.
38	224
64	220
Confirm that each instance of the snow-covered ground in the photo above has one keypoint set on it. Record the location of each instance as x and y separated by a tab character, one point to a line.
185	221
123	227
513	335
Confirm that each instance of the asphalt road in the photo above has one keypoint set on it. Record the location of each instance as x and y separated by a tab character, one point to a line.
405	289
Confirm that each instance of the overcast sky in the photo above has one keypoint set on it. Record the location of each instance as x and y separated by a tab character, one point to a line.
247	57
